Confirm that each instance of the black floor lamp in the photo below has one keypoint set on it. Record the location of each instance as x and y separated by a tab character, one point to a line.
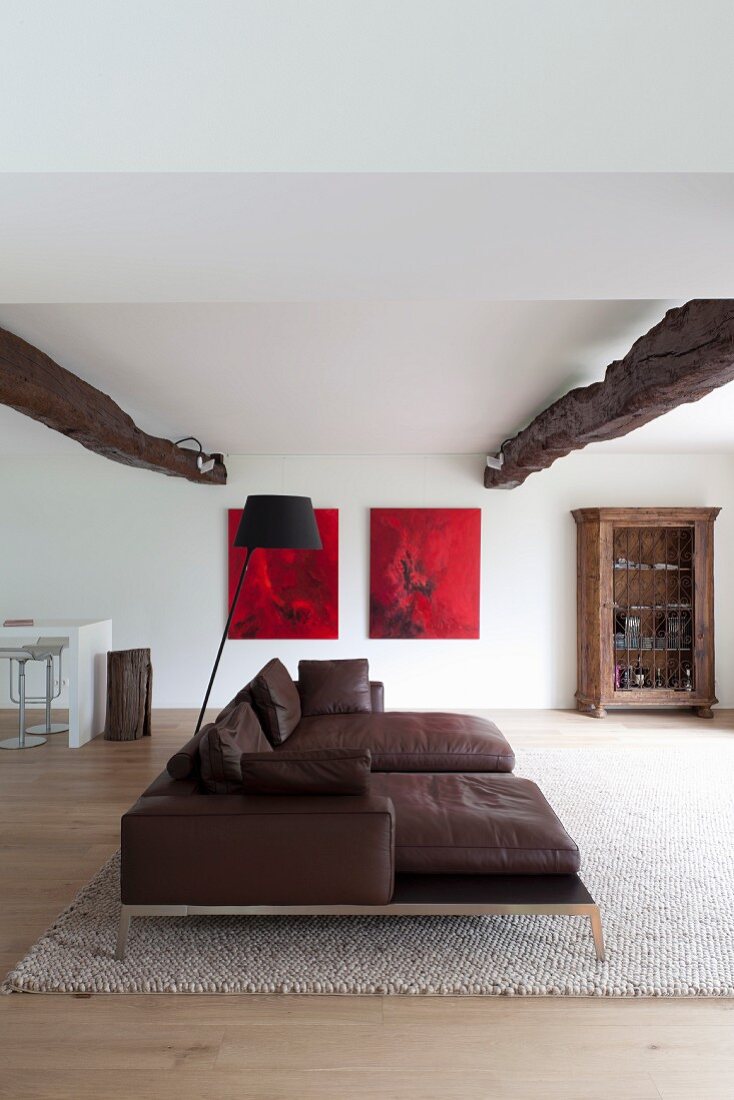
270	523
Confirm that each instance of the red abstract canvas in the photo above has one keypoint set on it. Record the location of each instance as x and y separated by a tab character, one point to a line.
424	572
287	593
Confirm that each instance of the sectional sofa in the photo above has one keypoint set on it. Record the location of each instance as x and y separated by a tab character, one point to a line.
309	798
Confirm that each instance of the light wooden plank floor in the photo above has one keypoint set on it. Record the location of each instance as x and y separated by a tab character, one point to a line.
59	814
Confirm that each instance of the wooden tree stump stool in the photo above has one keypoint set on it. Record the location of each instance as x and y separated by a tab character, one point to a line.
129	691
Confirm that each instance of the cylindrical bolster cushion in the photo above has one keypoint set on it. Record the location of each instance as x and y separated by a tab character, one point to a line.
164	785
185	762
237	720
311	771
253	850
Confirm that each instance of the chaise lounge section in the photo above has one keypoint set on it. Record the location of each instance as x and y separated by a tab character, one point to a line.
405	741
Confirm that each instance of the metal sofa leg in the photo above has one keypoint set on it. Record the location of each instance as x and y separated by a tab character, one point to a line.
595	918
122	931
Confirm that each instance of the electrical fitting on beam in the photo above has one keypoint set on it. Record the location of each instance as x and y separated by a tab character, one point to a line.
205	464
496	462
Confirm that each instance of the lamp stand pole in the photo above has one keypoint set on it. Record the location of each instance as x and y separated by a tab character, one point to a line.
224	637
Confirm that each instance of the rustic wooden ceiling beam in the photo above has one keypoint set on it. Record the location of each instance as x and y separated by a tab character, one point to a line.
684	357
34	384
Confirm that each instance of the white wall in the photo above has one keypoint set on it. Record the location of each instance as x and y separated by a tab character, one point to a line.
83	537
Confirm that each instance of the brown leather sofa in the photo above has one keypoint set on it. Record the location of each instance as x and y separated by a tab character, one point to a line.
440	823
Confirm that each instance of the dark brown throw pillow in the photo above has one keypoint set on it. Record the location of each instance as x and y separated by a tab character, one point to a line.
244	695
313	771
334	687
276	701
222	745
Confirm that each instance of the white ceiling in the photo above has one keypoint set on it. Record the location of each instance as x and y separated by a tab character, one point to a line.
355	85
347	378
302	237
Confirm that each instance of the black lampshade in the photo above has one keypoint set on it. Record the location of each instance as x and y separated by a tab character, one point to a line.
278	522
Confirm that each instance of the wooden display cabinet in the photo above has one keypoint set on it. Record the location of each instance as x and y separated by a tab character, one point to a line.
645	608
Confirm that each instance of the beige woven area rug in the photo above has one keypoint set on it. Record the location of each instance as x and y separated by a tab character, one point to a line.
656	832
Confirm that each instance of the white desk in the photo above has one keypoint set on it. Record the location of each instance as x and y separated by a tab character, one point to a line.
86	665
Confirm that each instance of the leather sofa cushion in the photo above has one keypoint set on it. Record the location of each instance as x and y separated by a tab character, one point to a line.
222	746
276	701
312	771
258	850
185	762
334	687
406	741
244	695
164	784
475	824
377	696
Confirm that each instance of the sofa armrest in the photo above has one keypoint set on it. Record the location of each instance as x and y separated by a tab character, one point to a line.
258	850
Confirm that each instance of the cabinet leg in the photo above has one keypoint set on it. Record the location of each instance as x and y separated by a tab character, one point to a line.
703	712
592	711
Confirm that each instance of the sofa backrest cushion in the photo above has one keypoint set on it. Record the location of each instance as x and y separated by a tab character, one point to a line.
312	771
244	695
377	696
334	687
276	701
223	744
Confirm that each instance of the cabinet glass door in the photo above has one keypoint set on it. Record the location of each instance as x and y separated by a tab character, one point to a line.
652	618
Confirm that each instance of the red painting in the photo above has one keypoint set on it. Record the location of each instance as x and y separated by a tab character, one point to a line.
424	572
287	593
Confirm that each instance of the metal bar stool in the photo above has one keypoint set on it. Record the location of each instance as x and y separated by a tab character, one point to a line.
46	649
23	740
